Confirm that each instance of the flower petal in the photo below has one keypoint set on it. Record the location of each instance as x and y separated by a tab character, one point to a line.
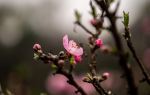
72	44
78	51
65	42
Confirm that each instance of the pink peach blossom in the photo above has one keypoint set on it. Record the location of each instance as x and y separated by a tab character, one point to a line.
72	47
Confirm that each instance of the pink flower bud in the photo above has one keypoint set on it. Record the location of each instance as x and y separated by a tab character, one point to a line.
99	42
93	22
77	59
37	47
105	75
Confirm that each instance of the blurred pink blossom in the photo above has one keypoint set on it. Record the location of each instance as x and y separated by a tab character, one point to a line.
113	82
72	48
58	85
146	58
145	25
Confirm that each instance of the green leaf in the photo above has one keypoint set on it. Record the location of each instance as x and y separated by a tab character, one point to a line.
77	15
93	11
126	19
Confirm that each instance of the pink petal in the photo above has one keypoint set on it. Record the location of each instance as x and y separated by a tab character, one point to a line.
71	43
65	42
72	47
78	51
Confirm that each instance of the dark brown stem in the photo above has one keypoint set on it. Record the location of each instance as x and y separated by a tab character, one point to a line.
50	58
100	89
82	26
92	63
93	71
117	7
130	45
71	81
97	89
122	55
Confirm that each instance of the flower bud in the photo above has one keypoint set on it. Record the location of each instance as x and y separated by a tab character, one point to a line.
77	59
61	62
106	75
37	47
93	22
99	42
97	23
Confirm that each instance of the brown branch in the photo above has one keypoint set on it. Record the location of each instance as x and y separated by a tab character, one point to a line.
71	81
123	60
117	7
93	48
127	37
82	26
50	58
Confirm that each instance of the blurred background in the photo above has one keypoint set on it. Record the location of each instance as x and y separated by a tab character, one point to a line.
25	22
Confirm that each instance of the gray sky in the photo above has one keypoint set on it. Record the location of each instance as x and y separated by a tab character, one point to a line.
45	16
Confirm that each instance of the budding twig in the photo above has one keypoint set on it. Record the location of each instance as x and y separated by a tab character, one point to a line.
82	26
127	37
122	55
55	59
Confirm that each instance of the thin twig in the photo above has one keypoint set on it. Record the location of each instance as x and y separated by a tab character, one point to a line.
50	58
127	37
71	81
82	26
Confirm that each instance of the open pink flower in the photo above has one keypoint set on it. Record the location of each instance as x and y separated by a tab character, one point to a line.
72	48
